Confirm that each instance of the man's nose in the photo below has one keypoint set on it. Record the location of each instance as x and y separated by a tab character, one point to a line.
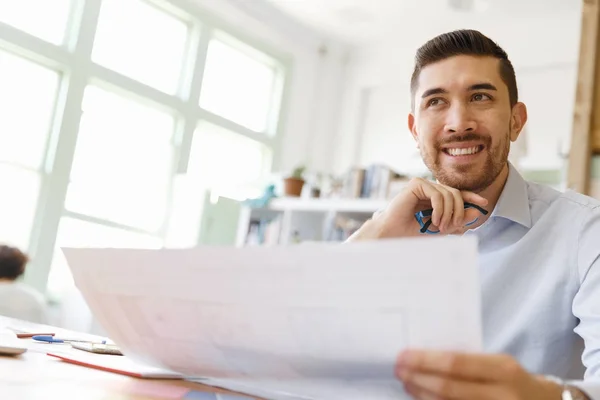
460	120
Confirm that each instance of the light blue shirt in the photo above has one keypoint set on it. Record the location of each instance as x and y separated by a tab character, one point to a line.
540	270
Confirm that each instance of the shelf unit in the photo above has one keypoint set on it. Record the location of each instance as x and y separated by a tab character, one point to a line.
287	220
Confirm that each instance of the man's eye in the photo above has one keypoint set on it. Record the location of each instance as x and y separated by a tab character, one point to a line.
481	97
434	102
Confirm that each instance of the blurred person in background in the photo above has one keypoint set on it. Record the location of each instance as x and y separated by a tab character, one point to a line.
18	300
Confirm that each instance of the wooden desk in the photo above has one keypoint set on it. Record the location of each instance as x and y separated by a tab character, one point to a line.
34	375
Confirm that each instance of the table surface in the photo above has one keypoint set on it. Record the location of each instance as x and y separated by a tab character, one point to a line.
35	375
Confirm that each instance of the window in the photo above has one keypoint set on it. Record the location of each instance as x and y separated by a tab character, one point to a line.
187	204
123	161
27	101
27	96
46	19
20	189
228	163
95	145
239	86
137	39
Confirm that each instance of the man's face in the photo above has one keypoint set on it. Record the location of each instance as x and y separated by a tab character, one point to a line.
463	122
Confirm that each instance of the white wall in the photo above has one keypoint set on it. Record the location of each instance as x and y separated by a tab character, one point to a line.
377	99
312	109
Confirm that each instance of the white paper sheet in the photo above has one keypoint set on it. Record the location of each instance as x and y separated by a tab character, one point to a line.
320	321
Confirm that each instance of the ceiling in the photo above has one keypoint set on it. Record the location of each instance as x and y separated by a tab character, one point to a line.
361	22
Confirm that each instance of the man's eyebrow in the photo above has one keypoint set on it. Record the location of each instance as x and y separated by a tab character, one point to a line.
477	86
430	92
482	86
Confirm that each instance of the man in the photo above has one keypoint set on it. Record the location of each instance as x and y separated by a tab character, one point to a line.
539	248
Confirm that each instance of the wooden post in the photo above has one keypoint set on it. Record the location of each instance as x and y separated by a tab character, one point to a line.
586	117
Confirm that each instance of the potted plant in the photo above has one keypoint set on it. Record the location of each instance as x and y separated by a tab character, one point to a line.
293	184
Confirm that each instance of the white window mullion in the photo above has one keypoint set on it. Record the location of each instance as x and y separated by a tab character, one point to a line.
100	221
279	114
232	126
190	115
122	82
190	86
34	48
59	161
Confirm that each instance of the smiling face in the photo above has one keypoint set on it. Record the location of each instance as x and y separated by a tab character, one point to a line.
463	121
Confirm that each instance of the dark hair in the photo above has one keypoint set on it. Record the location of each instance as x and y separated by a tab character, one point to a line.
12	262
464	42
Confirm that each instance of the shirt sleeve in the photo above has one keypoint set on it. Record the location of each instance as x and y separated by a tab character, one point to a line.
592	389
586	304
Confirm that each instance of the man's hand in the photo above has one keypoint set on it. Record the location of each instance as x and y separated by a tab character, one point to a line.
398	219
429	375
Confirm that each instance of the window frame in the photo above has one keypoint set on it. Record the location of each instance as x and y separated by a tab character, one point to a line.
73	61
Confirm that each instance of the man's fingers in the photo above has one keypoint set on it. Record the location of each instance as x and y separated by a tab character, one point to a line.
426	386
431	193
447	203
459	208
446	221
474	198
476	367
438	197
418	393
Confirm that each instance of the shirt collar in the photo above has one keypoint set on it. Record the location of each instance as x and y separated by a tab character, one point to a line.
513	203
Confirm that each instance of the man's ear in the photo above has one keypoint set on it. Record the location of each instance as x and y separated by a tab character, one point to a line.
518	120
412	127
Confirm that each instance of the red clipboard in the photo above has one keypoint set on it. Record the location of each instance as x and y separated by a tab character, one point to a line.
116	364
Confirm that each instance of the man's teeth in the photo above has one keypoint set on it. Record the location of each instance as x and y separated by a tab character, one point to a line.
463	151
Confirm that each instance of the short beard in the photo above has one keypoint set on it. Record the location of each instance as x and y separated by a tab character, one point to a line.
463	177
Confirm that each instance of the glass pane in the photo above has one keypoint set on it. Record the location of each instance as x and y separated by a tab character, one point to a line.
20	189
27	97
46	19
187	200
139	40
123	161
77	233
237	86
228	163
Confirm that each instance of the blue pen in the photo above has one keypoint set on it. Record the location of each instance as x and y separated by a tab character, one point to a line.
52	339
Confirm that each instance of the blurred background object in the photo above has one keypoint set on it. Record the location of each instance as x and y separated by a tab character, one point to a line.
17	299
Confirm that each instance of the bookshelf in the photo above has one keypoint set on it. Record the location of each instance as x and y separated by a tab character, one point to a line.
289	220
333	217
